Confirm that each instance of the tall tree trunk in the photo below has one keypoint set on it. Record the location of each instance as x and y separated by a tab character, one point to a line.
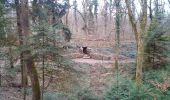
105	16
139	36
150	10
75	13
20	32
67	21
24	79
0	77
139	61
27	54
33	75
11	58
110	9
96	14
91	26
85	4
26	59
117	44
34	10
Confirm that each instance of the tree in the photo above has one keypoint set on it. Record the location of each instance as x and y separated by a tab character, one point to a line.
90	8
105	9
19	28
95	9
67	14
110	8
117	44
48	21
2	31
26	58
2	21
95	3
75	12
150	10
139	35
155	47
91	25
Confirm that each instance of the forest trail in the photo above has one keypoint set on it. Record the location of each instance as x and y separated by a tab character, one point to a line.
93	61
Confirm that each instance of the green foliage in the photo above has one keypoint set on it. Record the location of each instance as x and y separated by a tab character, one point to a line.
155	86
7	37
66	30
86	95
49	39
159	79
58	96
55	96
57	10
156	46
2	21
45	41
127	90
153	75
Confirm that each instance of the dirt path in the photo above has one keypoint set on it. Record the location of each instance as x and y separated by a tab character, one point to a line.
93	61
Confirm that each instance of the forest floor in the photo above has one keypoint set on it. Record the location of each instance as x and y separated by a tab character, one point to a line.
96	70
102	69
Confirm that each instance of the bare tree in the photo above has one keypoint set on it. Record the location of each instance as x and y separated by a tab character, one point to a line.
85	14
105	9
75	12
150	10
139	35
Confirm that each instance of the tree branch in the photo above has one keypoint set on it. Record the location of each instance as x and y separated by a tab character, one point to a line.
131	18
143	17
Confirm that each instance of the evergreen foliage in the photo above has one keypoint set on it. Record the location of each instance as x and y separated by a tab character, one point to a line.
55	96
48	39
128	90
86	95
156	46
2	21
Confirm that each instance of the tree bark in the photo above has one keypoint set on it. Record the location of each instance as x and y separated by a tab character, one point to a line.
139	61
150	10
105	16
26	59
85	4
139	36
11	58
20	32
27	54
117	44
33	75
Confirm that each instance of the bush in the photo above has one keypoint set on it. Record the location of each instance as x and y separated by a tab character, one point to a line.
156	46
81	95
55	96
86	95
127	90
